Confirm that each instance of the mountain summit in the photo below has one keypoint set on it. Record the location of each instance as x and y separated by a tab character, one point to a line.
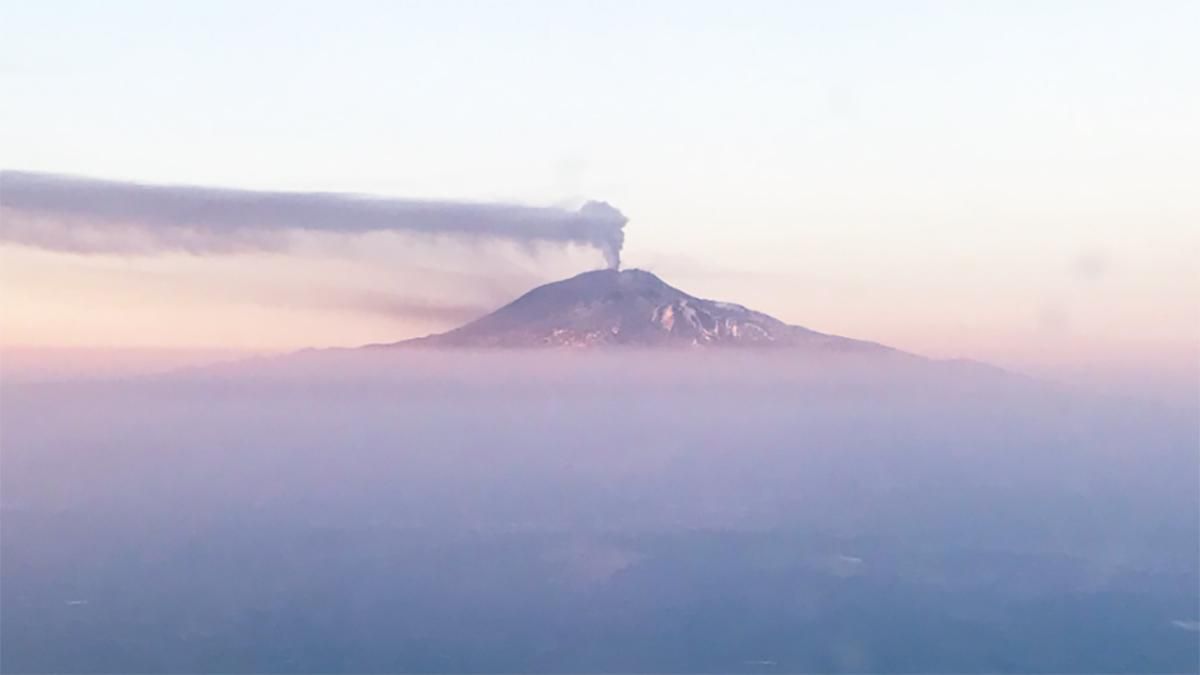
632	308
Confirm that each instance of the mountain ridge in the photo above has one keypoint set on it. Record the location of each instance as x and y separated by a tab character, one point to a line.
632	307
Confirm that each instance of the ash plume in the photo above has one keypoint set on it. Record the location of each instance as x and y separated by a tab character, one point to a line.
84	215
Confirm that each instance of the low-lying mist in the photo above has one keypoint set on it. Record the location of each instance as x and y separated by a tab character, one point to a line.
666	511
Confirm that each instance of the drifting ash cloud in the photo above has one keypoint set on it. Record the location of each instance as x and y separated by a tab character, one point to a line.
378	303
83	215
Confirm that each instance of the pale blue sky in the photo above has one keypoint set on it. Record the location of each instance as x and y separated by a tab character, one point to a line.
928	174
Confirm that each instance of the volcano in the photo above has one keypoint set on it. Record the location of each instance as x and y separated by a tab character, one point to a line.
635	308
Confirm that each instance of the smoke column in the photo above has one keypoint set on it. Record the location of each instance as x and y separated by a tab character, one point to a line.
82	215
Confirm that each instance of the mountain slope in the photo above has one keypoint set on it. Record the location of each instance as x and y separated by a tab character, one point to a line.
628	307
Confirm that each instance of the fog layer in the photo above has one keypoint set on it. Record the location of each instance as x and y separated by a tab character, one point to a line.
350	511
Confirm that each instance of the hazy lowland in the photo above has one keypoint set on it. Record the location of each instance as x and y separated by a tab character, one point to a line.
368	511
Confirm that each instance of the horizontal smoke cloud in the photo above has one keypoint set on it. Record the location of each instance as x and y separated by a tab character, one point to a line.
81	215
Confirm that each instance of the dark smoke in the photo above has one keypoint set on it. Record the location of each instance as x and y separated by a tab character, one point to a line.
82	215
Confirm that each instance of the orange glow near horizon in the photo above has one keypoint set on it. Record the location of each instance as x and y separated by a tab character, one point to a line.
1128	311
